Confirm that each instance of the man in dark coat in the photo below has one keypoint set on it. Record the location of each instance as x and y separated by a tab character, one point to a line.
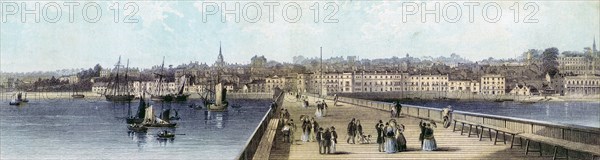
319	137
423	129
351	131
379	128
326	141
315	126
398	108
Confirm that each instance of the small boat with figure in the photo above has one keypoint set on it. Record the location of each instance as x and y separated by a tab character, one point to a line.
19	100
15	102
75	94
165	134
137	128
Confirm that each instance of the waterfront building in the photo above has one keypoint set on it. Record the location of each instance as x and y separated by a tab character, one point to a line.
582	85
256	86
463	86
71	79
378	81
99	87
437	83
105	73
132	72
351	82
275	82
578	65
475	87
493	84
587	63
523	90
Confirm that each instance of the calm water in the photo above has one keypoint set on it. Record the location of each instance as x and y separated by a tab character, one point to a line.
80	129
579	113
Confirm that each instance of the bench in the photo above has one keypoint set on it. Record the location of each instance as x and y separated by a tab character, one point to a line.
463	126
498	130
502	130
594	150
263	150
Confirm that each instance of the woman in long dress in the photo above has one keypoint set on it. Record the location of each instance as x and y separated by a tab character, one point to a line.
334	137
390	139
429	143
318	112
306	127
400	139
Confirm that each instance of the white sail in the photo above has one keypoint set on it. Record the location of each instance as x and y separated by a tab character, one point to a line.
219	94
149	117
160	121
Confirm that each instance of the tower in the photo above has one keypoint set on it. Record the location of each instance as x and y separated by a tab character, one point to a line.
220	62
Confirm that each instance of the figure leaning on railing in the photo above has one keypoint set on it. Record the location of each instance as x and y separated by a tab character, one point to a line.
447	116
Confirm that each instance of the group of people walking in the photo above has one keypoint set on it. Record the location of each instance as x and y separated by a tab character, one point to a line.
327	140
325	137
321	109
426	137
355	129
390	137
289	127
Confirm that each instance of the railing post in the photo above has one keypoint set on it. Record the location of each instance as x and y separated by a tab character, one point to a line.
429	113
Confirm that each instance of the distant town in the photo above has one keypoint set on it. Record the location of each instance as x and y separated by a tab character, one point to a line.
535	72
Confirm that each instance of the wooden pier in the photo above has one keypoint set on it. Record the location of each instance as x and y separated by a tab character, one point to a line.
451	144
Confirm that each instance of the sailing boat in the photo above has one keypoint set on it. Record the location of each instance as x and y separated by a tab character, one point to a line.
166	115
141	113
220	102
116	91
76	95
158	96
180	96
150	120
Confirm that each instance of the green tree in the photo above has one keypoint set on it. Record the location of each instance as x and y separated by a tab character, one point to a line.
97	70
549	61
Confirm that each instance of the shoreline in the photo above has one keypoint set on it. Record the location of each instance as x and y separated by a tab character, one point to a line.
380	96
443	96
7	96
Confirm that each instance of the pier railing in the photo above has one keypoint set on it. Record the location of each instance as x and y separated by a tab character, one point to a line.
254	140
573	133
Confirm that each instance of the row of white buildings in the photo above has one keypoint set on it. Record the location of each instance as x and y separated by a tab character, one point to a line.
365	82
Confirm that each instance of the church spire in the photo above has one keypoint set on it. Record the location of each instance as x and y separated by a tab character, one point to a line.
220	61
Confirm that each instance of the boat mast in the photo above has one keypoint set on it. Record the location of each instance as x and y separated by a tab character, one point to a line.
115	88
160	77
126	78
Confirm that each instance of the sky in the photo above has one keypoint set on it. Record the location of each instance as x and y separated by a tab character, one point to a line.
185	31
